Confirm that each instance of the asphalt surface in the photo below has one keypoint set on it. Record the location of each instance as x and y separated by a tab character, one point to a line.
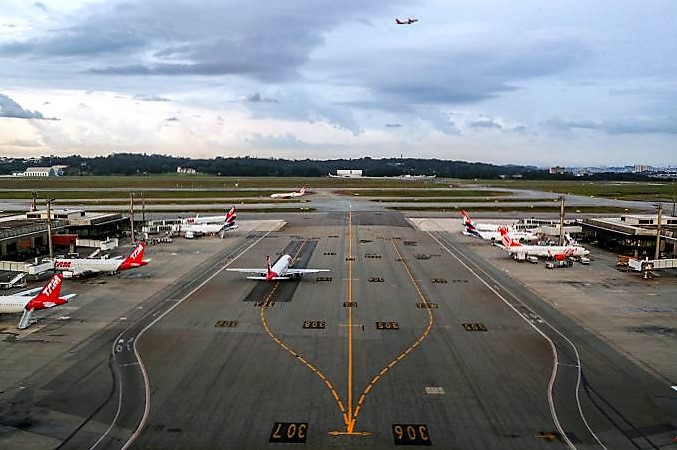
410	339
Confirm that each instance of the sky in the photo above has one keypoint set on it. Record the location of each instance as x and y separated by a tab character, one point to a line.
573	83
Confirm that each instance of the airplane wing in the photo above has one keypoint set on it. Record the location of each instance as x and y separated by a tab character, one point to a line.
259	271
301	271
80	273
29	291
68	296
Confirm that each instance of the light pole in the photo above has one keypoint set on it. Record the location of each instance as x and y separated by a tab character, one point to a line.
131	207
49	227
658	231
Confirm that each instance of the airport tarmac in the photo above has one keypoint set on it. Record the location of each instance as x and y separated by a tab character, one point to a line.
413	338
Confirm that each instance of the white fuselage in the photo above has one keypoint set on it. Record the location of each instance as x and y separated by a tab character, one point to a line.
549	250
205	228
200	220
84	264
14	303
281	265
287	195
496	235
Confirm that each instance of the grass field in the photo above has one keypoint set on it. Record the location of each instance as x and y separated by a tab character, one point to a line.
422	193
150	196
202	182
189	201
647	191
535	209
463	199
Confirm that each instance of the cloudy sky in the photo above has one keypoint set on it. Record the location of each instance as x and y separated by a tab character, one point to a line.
528	81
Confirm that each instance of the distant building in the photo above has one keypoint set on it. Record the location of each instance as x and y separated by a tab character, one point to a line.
186	170
40	172
347	173
557	170
640	168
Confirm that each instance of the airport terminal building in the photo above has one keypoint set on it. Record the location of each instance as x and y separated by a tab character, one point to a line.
632	234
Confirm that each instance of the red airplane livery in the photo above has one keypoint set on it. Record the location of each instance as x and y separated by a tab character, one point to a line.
88	266
27	303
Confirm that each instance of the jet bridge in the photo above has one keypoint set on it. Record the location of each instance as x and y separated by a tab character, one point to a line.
648	266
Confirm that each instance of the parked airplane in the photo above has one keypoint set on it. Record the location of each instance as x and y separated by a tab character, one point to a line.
290	194
409	21
281	270
558	252
77	267
230	215
191	230
491	232
27	302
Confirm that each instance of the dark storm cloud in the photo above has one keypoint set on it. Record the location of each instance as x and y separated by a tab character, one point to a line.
11	109
208	38
448	76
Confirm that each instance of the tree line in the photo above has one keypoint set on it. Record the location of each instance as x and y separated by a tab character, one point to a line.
143	164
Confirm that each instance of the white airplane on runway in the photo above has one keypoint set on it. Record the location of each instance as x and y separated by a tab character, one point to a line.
558	252
290	194
278	271
492	232
27	302
77	267
191	230
230	215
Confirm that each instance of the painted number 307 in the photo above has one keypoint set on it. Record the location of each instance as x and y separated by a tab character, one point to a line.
289	432
411	434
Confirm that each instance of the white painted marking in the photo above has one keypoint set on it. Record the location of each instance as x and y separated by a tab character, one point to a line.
553	375
434	390
674	388
146	379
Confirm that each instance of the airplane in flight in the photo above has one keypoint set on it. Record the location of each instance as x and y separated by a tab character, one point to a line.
492	232
281	270
78	267
27	302
220	227
409	21
209	219
558	252
290	194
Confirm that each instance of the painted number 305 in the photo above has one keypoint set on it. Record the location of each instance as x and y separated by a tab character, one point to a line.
411	434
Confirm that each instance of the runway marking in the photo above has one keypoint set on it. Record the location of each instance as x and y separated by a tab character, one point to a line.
553	347
349	419
412	347
293	353
146	379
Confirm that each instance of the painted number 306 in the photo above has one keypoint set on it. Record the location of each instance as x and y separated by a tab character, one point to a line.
411	434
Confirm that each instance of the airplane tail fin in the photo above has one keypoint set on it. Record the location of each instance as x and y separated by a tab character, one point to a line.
303	189
135	259
506	239
231	216
49	295
466	218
